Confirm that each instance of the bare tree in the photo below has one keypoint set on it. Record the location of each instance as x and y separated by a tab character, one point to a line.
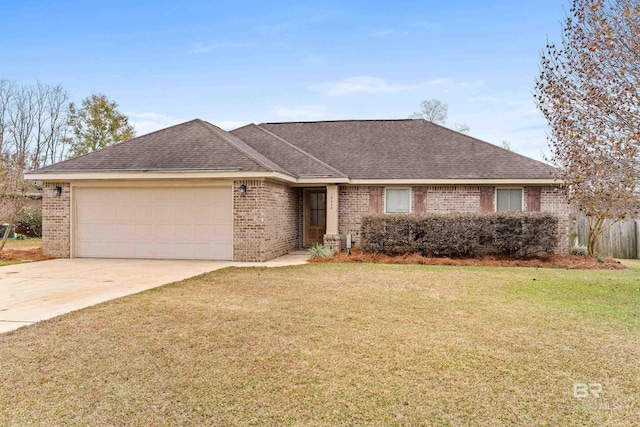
436	111
13	190
588	90
432	110
461	127
6	97
35	122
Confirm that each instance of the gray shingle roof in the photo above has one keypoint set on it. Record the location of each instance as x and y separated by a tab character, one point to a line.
357	149
293	159
194	145
410	149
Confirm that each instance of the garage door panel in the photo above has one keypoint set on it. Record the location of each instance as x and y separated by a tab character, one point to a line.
143	213
184	215
222	214
222	196
173	223
142	232
183	196
124	232
164	233
203	233
203	215
203	196
124	212
185	250
222	233
220	249
164	214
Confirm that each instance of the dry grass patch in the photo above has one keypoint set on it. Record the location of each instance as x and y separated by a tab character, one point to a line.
337	344
16	251
24	244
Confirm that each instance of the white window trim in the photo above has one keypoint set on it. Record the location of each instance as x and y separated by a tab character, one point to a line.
384	196
495	198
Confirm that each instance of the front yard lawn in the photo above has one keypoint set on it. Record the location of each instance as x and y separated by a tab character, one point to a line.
339	344
23	244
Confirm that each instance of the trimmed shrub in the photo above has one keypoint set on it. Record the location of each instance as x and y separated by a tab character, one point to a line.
516	234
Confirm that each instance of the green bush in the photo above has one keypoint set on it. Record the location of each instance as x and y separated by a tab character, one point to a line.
29	221
516	234
320	251
580	250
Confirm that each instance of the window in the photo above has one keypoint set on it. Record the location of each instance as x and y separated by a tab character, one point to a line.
317	209
508	199
397	200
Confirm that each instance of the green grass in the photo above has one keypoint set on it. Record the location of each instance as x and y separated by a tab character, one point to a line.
338	344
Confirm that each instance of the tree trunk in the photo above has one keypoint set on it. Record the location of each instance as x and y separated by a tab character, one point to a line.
7	232
596	226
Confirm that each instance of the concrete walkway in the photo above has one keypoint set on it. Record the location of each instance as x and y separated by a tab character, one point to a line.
32	292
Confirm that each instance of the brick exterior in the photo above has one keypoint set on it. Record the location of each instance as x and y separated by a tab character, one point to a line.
333	240
453	198
552	200
266	220
354	203
56	220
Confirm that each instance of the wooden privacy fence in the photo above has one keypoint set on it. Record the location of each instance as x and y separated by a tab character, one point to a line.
619	241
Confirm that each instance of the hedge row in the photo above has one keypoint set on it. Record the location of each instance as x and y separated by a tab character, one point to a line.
516	234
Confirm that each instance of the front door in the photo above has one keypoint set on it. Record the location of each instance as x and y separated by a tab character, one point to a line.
315	216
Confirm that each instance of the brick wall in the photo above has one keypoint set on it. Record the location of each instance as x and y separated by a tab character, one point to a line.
453	198
354	203
56	214
266	220
283	228
552	200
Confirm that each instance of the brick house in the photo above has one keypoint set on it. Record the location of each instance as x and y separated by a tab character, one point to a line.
195	191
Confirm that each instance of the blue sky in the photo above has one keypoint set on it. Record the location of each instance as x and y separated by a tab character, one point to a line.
234	62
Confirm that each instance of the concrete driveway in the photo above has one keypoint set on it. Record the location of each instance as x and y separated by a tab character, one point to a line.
42	290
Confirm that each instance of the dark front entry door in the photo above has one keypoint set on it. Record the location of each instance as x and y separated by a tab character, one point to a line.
315	216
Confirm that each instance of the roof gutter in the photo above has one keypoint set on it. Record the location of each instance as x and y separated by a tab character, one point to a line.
278	176
157	174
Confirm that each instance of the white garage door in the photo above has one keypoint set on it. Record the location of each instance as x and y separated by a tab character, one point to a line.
169	223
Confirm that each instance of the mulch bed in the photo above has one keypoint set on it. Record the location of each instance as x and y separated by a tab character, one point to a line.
23	255
570	262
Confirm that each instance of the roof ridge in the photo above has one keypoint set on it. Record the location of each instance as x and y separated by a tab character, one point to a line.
333	121
246	149
429	123
300	150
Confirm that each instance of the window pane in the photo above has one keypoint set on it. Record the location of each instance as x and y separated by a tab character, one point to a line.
508	200
502	203
314	218
398	200
321	202
515	200
313	200
321	218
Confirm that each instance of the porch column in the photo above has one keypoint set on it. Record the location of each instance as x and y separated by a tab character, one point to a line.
332	238
332	209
